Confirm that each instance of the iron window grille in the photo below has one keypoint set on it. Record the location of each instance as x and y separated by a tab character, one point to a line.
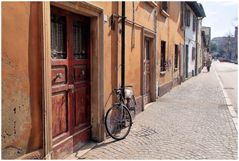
164	6
163	63
79	40
176	56
58	37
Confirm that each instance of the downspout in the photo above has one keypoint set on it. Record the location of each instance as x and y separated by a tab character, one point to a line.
123	47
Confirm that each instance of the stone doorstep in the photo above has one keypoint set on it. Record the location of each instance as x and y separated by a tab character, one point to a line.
83	150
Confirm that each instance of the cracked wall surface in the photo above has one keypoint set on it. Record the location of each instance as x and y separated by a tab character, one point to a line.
19	107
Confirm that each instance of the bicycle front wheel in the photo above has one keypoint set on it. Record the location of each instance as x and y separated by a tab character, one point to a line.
118	122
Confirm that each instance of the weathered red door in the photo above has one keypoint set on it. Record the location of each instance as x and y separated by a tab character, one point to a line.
147	69
70	55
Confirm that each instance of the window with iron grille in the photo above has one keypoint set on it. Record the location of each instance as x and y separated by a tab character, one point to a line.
187	17
181	16
79	40
164	6
176	56
163	56
194	23
58	37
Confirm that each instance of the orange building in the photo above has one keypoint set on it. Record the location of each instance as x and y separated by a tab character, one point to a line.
170	41
61	60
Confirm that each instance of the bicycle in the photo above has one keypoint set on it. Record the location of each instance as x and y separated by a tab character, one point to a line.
118	119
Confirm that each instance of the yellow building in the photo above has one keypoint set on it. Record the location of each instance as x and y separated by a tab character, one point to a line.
170	39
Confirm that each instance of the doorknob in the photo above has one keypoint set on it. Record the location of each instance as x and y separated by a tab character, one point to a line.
59	75
71	87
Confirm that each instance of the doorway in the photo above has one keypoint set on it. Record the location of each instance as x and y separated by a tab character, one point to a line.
147	77
70	67
186	61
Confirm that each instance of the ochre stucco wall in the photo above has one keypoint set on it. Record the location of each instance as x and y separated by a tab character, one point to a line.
112	46
163	35
176	35
169	30
111	69
21	81
133	60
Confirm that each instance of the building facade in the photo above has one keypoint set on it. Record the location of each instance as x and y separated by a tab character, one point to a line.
170	39
61	60
194	13
205	43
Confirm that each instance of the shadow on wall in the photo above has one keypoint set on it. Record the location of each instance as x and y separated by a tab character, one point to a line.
21	85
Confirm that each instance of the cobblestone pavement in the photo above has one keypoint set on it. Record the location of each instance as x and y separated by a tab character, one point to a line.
190	122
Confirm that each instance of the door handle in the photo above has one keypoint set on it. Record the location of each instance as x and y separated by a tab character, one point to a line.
71	87
59	75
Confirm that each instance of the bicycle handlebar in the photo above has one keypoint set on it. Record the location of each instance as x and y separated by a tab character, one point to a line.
120	88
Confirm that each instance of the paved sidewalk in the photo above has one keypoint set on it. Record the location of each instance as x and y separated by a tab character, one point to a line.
190	122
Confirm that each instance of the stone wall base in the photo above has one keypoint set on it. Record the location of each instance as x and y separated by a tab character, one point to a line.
165	88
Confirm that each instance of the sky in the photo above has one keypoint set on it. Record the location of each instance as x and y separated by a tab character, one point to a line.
221	16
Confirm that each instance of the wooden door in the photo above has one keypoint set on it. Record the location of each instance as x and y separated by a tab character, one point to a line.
70	55
147	69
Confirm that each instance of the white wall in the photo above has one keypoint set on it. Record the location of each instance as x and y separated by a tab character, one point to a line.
190	40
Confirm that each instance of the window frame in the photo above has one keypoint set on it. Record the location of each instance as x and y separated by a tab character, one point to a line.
164	9
194	23
164	6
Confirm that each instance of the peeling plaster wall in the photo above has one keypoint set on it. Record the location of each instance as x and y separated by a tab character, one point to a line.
176	36
21	80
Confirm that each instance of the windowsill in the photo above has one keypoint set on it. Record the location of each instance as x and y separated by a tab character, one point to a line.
162	73
152	4
164	13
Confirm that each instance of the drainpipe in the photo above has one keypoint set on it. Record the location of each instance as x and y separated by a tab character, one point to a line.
123	47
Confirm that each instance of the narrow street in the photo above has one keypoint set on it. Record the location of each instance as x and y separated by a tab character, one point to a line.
192	121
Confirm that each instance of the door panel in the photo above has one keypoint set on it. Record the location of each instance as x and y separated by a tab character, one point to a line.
58	75
82	108
80	73
59	111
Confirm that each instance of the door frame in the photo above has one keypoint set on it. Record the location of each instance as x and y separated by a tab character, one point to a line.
146	33
96	15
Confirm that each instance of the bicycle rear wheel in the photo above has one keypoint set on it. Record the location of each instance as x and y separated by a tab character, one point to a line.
131	104
118	122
